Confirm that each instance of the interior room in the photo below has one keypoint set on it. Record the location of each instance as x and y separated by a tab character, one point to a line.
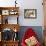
22	23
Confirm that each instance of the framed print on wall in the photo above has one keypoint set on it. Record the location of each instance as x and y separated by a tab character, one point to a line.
30	13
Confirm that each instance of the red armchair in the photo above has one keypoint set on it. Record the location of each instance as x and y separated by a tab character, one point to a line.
29	36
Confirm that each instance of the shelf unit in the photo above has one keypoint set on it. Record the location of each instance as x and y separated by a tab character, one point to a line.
8	11
5	13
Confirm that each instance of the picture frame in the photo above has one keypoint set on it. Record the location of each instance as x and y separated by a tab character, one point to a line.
13	12
30	13
5	12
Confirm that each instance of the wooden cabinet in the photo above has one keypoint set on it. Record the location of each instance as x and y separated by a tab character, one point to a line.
7	26
44	6
44	37
10	43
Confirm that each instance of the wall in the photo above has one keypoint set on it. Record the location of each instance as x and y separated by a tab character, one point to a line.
32	4
27	4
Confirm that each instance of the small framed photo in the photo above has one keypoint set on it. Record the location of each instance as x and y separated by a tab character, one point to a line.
5	12
30	13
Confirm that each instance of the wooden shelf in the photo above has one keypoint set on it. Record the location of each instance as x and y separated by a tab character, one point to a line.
11	26
4	13
9	43
9	7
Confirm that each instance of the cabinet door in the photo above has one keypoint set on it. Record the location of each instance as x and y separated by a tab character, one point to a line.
44	37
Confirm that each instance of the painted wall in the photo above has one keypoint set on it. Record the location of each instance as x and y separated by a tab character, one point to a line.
32	4
27	4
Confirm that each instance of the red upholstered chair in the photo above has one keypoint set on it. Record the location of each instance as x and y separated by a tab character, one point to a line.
28	34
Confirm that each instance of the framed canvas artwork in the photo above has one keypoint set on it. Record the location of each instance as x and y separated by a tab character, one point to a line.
30	13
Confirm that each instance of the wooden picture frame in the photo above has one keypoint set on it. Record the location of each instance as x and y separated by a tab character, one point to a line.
30	13
5	12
